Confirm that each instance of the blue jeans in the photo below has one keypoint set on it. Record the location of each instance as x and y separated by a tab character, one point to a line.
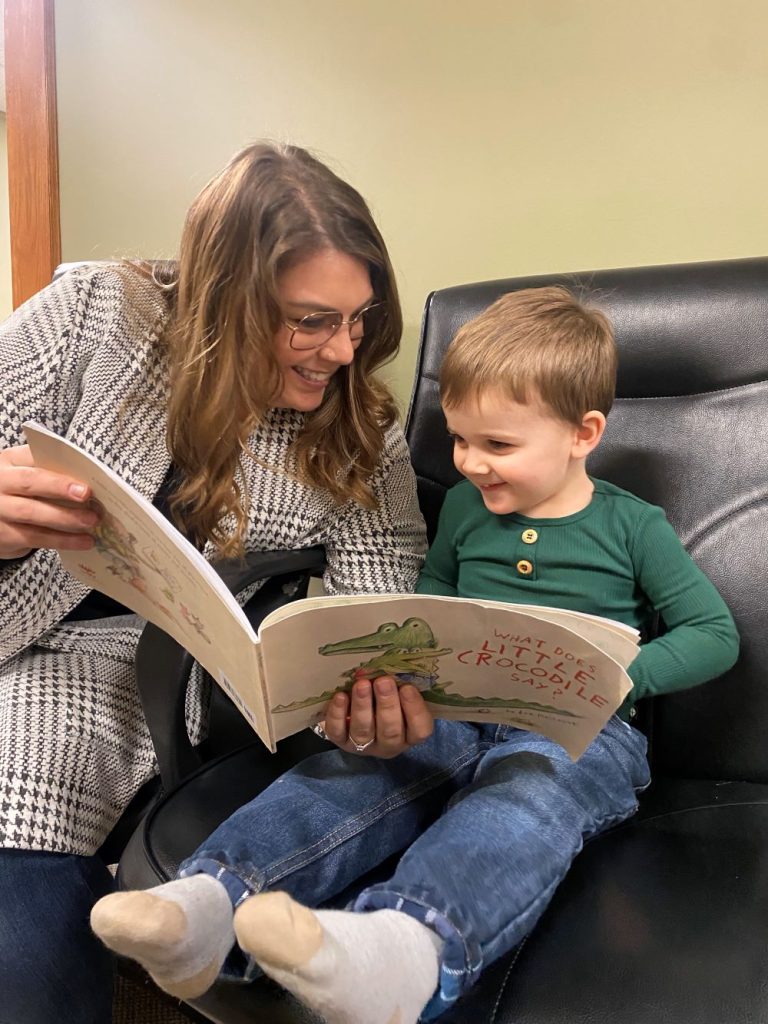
52	967
490	818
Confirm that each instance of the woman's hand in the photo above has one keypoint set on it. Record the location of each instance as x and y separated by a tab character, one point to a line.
32	509
394	719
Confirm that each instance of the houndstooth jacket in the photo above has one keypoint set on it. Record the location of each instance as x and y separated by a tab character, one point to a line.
74	747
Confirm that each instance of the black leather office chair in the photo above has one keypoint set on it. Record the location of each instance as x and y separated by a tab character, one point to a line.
664	920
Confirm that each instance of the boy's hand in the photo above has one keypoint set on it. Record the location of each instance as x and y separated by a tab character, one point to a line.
392	719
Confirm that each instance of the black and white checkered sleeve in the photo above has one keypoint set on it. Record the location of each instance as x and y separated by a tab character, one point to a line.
40	359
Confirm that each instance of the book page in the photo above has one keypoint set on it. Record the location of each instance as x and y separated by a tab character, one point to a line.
615	638
325	601
472	662
142	561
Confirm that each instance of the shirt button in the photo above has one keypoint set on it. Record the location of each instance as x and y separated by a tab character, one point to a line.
524	567
530	536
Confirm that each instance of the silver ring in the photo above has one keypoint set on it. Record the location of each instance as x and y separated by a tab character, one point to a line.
318	730
359	747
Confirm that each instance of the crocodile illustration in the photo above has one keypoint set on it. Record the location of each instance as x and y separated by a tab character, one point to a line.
408	652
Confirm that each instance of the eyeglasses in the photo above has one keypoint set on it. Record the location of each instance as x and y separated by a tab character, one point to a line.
317	329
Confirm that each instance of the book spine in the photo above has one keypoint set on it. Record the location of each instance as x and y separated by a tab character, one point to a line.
264	686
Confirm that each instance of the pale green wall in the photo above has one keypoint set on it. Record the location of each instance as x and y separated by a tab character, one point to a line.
491	138
5	233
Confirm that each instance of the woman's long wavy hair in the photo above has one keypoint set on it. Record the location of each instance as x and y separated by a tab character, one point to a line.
269	208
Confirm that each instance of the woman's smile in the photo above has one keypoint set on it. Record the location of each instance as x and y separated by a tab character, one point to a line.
314	378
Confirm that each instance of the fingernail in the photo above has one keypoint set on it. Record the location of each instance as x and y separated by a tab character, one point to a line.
363	688
78	490
385	687
340	699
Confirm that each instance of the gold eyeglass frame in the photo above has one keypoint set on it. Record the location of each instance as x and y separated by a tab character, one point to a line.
295	326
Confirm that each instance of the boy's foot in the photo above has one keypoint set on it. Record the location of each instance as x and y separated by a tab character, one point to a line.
180	932
374	968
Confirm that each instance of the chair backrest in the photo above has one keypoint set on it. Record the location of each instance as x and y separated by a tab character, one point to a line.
689	432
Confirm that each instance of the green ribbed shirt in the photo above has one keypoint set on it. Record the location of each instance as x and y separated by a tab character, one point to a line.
618	557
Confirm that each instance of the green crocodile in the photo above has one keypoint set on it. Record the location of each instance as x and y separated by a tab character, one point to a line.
408	652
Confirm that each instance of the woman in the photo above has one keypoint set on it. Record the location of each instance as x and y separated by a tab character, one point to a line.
237	390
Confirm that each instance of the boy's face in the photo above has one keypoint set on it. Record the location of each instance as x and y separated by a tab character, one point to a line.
522	458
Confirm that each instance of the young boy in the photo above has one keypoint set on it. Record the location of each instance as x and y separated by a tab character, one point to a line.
490	817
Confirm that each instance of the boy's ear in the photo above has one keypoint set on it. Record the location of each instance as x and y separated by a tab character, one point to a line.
587	436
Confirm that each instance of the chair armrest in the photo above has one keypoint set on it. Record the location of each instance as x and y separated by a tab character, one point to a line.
163	666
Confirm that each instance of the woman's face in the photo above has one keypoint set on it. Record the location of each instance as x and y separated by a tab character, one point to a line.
329	281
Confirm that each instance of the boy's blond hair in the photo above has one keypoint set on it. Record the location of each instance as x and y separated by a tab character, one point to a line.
537	342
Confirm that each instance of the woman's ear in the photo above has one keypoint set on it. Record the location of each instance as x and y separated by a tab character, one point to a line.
587	436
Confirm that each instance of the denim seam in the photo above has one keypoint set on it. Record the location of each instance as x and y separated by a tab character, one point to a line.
617	817
471	969
246	879
354	826
437	920
400	901
610	819
602	825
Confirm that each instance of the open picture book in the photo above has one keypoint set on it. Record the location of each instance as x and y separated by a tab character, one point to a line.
556	672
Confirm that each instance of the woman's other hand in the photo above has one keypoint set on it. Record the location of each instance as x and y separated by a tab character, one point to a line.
41	509
393	719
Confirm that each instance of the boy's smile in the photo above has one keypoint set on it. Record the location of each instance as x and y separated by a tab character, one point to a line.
522	458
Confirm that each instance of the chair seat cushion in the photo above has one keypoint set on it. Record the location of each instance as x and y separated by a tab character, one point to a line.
663	919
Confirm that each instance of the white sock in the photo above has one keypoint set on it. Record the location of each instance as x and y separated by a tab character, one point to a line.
180	932
372	968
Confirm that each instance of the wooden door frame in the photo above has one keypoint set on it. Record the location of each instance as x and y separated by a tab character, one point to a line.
33	148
